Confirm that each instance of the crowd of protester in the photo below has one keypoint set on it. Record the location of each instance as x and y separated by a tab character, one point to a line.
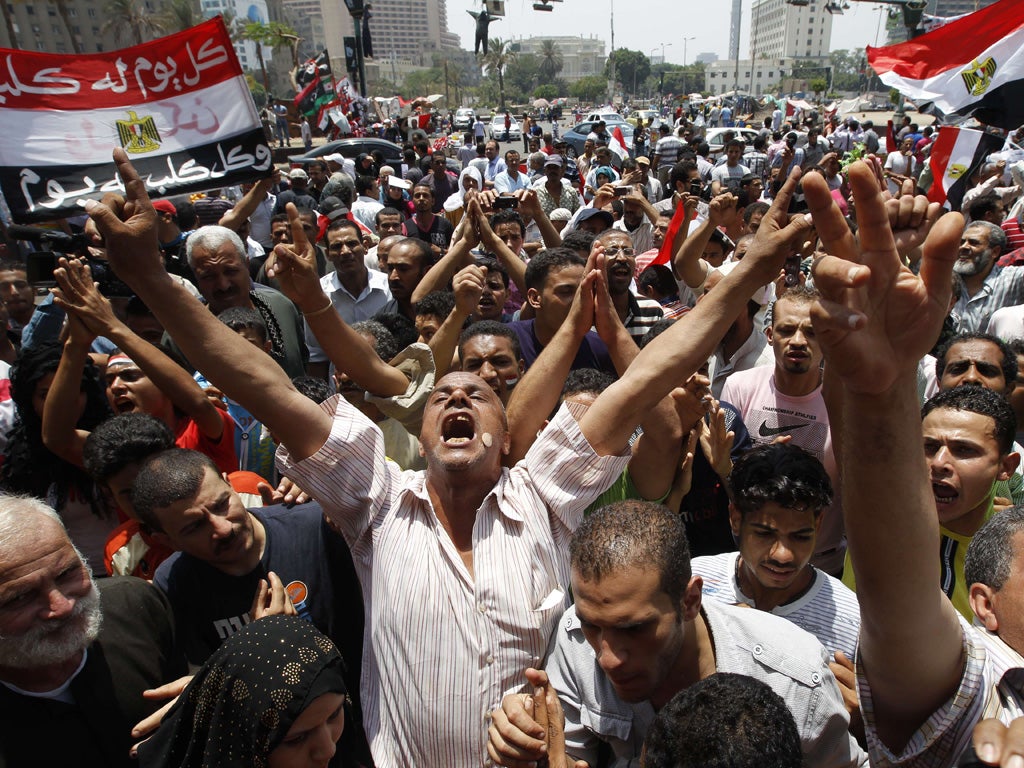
665	459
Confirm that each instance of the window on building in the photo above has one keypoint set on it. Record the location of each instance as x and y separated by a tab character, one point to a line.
55	29
91	13
51	11
72	12
30	10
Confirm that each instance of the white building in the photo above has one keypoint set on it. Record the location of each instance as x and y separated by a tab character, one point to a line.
581	56
782	31
721	76
244	10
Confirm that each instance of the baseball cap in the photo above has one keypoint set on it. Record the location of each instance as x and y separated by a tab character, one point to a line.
643	160
166	206
590	213
298	173
553	160
560	214
337	157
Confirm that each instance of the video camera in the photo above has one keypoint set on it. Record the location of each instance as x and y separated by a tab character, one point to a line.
40	264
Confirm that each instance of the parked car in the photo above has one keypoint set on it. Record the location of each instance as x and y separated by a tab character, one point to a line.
576	136
353	147
464	118
715	141
497	129
608	115
645	115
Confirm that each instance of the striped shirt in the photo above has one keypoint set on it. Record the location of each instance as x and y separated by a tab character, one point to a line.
1004	287
827	610
667	150
442	646
991	686
642	314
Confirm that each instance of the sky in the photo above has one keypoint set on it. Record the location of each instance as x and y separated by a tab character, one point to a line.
634	20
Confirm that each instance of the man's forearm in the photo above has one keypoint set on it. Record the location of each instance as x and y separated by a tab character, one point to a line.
439	275
686	264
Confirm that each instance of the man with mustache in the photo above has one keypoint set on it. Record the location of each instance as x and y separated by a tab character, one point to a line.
73	672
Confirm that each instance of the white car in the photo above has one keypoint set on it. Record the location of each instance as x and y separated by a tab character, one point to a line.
607	115
464	119
497	129
714	138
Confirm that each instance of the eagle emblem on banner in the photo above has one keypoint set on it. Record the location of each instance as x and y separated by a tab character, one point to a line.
956	171
138	134
978	76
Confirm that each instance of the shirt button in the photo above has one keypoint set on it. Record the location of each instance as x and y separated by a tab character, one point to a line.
490	659
758	650
815	678
481	607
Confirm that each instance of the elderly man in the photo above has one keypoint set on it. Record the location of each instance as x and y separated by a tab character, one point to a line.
464	526
988	286
75	656
217	257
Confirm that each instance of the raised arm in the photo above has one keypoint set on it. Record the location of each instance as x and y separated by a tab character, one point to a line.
875	322
247	375
468	286
687	262
512	263
60	410
245	207
671	358
530	203
458	256
78	296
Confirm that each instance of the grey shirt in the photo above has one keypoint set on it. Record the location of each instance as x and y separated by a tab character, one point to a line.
747	642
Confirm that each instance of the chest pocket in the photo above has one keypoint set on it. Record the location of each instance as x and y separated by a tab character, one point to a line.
607	725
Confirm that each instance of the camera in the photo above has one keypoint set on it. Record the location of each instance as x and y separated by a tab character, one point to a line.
505	201
39	265
622	191
696	188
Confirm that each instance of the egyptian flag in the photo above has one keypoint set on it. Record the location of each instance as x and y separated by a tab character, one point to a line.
956	155
891	145
617	143
179	106
972	66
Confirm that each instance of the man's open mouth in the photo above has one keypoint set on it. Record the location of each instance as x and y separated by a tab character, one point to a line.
457	429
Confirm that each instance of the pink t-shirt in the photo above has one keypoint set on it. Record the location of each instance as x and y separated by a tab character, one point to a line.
768	414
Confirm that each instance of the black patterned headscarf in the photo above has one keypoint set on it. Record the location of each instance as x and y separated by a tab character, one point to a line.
241	704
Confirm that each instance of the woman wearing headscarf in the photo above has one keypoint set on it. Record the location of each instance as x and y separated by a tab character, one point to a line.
272	696
455	205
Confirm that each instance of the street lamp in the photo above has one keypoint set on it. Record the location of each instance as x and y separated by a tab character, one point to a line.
685	41
356	9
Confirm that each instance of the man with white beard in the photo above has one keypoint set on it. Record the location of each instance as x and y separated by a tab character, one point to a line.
74	657
988	286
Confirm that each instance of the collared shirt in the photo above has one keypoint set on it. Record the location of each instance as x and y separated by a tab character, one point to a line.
352	309
666	151
494	167
991	686
747	642
1004	287
365	209
642	314
642	236
569	199
443	646
505	184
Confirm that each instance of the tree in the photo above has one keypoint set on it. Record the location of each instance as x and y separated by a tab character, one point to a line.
181	14
550	60
130	22
631	67
848	69
589	88
547	91
521	76
273	35
499	56
818	85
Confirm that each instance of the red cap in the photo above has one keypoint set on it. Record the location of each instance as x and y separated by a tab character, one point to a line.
166	206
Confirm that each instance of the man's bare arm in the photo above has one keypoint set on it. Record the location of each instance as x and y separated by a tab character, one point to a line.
687	264
245	207
876	321
247	375
670	359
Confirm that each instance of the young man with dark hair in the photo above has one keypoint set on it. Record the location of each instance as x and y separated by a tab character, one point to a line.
495	293
779	493
552	278
436	231
491	351
640	633
431	312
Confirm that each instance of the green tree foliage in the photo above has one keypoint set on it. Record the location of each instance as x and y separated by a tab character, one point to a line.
818	85
180	15
589	89
273	35
499	56
847	69
630	66
550	61
547	91
522	75
130	22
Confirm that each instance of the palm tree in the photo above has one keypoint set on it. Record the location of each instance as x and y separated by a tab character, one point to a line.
273	35
65	17
128	20
550	60
181	15
499	56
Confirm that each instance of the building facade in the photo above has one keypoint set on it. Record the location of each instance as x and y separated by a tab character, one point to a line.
581	56
782	31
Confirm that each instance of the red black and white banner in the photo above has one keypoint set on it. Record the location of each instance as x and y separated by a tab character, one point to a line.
179	106
971	66
956	154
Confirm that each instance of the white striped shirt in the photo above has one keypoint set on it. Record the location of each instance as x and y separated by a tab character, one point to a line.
828	610
442	646
991	686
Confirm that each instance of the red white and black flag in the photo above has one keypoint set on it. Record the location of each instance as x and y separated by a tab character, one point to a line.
957	154
971	66
179	106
